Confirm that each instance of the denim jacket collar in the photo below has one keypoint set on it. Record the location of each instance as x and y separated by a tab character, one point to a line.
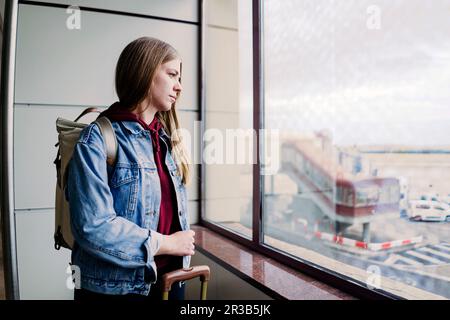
135	128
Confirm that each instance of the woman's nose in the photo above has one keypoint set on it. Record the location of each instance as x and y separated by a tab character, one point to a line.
178	87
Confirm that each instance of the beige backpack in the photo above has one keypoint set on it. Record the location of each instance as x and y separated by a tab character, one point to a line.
68	135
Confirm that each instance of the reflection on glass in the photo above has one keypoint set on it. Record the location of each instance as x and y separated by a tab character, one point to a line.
360	95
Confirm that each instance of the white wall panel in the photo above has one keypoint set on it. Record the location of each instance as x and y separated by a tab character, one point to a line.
189	122
235	175
175	9
228	209
222	71
56	65
223	13
193	207
42	269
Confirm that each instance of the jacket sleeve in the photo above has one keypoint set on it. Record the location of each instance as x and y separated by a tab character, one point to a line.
95	225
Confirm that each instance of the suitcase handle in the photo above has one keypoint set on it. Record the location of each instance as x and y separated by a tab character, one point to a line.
186	274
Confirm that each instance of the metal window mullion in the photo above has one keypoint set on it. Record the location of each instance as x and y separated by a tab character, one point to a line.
202	113
7	139
258	100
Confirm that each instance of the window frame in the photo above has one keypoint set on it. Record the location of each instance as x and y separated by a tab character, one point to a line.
321	273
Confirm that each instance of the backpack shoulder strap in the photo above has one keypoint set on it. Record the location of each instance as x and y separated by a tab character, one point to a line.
109	135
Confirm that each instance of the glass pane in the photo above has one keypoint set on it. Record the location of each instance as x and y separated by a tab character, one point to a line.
360	94
228	136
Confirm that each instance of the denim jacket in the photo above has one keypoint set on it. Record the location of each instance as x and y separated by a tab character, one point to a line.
115	210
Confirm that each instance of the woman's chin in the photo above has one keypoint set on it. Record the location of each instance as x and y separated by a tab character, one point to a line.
165	108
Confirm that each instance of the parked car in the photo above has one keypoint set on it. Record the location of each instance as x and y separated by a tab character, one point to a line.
429	210
429	197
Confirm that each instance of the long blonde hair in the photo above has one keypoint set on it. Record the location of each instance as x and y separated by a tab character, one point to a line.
135	71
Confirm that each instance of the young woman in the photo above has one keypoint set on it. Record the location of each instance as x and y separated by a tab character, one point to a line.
130	221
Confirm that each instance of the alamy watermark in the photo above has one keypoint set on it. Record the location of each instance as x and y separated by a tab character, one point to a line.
73	21
233	147
374	17
73	281
373	280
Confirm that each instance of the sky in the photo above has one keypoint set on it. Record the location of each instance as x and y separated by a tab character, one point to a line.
371	72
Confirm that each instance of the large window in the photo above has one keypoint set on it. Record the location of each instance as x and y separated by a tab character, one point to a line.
352	116
359	92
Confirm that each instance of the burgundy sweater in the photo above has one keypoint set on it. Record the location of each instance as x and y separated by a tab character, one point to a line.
168	217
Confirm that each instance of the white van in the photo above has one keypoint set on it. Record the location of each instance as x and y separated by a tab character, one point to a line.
426	210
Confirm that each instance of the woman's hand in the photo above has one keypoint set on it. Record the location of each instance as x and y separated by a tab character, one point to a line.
180	243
